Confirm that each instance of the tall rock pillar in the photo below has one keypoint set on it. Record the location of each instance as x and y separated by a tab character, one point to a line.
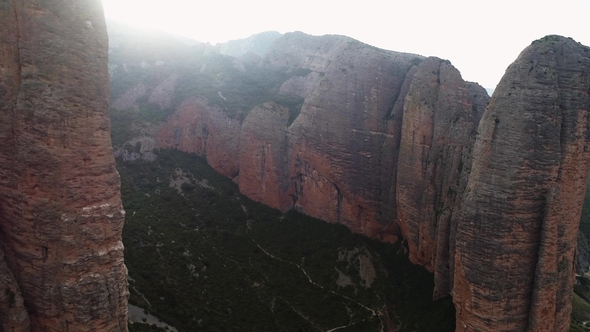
441	114
60	208
516	236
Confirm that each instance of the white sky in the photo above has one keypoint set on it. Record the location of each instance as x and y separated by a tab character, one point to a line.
480	38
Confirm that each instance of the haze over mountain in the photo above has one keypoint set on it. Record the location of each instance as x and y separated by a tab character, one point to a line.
466	33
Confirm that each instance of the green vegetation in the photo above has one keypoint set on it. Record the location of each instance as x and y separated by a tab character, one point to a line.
205	258
581	296
121	130
581	305
152	113
235	89
585	218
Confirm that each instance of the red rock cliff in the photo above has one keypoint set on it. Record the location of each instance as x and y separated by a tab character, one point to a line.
516	235
381	137
441	113
60	208
343	144
338	159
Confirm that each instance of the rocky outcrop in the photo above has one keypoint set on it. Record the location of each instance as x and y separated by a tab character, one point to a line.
60	209
138	148
516	234
162	94
264	165
337	159
200	128
343	144
440	116
129	99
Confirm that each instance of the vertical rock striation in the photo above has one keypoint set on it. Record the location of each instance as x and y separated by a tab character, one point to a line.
336	160
60	209
344	142
516	234
441	113
264	167
197	127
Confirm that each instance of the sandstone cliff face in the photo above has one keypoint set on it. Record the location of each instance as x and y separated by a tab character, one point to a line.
60	209
264	166
343	144
337	160
440	116
516	234
200	128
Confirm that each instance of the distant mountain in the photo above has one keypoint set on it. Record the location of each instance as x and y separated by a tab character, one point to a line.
117	29
257	44
130	45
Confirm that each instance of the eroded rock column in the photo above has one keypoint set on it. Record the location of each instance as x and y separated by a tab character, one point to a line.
516	237
441	113
60	208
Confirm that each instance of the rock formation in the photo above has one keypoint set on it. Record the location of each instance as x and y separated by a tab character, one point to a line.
342	145
441	114
265	163
516	234
396	145
61	255
337	160
197	127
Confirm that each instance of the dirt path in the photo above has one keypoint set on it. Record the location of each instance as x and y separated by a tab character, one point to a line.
373	312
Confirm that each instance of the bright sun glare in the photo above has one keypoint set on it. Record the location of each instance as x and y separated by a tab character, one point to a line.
479	38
